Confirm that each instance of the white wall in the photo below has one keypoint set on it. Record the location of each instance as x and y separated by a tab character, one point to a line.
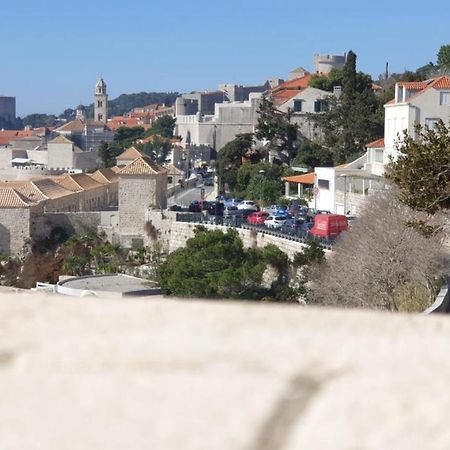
325	198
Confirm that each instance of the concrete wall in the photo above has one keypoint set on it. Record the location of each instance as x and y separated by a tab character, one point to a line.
60	155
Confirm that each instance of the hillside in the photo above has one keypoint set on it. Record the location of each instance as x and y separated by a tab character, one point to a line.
116	107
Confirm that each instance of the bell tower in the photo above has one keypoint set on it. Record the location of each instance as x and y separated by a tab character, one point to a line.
100	102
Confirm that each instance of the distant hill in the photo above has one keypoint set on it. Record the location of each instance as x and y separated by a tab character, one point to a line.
116	107
126	102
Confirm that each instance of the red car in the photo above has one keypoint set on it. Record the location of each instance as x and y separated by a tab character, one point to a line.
257	218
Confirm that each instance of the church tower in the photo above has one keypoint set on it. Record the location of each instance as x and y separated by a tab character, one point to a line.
100	102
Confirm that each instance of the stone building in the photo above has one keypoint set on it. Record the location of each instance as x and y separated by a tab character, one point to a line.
64	153
7	112
16	217
324	63
142	186
100	102
128	156
229	120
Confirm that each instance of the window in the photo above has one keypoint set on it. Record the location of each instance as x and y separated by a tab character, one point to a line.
100	104
320	105
298	105
378	155
431	123
99	116
445	98
323	184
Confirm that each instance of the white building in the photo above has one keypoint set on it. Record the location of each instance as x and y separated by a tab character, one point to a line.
344	188
417	102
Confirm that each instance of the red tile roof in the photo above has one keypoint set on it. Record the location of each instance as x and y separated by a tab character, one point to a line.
413	85
283	96
441	83
379	143
296	83
306	178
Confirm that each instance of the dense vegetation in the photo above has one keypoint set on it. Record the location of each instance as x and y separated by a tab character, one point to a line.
116	107
214	264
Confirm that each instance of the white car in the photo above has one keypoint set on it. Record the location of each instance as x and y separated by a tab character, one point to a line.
275	221
248	205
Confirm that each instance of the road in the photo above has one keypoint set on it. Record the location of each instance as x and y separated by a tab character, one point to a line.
186	196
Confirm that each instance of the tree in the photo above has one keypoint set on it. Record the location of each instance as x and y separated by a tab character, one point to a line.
163	126
214	264
422	170
229	159
40	120
157	149
353	119
275	126
266	190
109	152
312	154
379	258
126	136
443	55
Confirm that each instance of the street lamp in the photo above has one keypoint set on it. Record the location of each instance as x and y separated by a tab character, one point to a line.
261	172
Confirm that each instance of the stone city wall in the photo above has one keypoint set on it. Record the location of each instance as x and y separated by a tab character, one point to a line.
70	222
182	231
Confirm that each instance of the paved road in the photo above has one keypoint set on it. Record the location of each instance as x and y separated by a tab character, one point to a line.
184	197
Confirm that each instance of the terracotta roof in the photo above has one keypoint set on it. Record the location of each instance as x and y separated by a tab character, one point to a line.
379	143
130	153
116	169
104	176
296	83
142	166
77	182
173	170
441	83
50	188
422	86
306	178
413	85
79	125
10	198
283	96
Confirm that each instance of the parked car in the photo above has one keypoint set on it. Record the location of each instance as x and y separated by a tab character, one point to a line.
248	204
329	226
275	221
233	201
257	217
230	210
275	209
195	206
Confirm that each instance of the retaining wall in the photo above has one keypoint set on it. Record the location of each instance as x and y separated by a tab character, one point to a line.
182	231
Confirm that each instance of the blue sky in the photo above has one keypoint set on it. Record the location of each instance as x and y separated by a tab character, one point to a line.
53	51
